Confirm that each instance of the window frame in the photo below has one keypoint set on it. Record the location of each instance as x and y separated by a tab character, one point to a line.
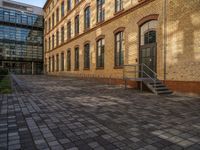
57	62
119	60
57	15
86	56
118	4
69	60
53	40
77	24
62	9
69	30
76	58
57	38
62	59
69	5
100	49
87	18
62	34
100	10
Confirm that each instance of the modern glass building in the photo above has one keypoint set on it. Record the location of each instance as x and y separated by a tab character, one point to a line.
21	37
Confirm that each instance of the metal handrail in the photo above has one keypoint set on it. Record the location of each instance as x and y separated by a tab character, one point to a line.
153	79
150	69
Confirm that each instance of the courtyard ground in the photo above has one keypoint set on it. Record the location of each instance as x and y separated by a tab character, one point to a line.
69	113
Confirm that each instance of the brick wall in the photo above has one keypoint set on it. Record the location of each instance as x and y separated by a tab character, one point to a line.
182	39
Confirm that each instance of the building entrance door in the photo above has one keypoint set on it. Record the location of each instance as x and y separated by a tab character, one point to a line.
148	47
148	57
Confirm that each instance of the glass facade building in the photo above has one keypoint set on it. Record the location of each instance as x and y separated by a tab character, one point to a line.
21	38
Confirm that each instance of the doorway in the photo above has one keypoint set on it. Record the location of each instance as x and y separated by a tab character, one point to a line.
148	47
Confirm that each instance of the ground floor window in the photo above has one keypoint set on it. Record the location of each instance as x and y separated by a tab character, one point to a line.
68	60
49	64
87	56
53	64
119	49
76	58
57	62
100	53
62	61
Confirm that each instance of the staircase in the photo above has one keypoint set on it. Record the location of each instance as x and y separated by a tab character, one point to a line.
157	87
141	73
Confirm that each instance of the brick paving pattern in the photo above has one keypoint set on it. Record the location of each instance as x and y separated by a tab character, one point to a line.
69	113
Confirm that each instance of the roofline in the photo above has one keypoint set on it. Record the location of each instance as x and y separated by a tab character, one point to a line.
45	5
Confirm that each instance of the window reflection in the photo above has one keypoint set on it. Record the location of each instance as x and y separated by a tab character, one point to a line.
14	16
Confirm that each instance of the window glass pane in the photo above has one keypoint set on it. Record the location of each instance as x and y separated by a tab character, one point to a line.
87	56
119	49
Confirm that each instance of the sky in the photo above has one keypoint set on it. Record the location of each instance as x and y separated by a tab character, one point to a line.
39	3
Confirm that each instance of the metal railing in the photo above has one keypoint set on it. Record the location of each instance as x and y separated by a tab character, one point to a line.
137	72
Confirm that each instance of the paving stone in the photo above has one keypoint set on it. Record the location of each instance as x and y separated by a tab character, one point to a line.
69	113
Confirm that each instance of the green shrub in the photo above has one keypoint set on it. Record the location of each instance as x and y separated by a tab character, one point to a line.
5	85
3	71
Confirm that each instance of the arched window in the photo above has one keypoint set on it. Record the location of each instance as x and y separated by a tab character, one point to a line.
100	53
68	60
148	32
76	58
100	10
87	18
57	62
87	56
119	49
62	61
76	25
69	30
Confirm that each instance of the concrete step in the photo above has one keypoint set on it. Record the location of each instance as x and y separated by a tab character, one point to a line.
157	87
161	88
167	92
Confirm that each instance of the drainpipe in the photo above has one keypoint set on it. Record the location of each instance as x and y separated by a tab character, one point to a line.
165	37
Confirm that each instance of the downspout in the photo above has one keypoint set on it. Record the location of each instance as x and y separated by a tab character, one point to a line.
165	38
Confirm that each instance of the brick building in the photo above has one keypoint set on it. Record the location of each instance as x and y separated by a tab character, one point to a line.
98	38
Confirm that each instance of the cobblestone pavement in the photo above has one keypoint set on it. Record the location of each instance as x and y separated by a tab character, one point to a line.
68	113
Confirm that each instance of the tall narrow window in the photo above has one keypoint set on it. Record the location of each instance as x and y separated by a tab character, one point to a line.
100	10
57	62
69	60
69	30
77	58
53	20
87	56
62	61
69	5
53	38
57	38
49	43
62	35
49	64
119	49
118	5
62	9
77	25
53	64
100	53
49	24
45	47
87	18
45	26
57	15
